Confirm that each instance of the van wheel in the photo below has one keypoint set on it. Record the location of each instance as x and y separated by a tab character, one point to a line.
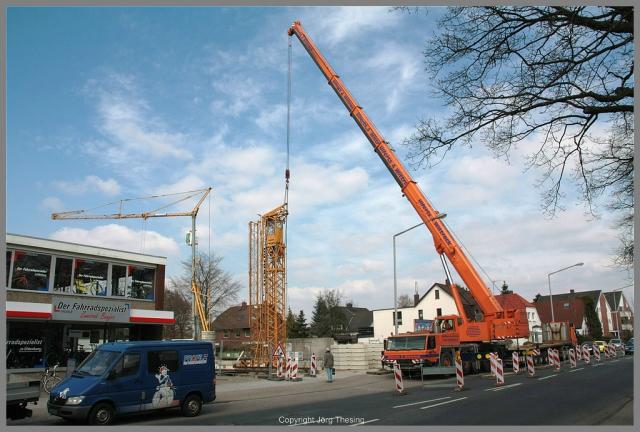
192	406
102	414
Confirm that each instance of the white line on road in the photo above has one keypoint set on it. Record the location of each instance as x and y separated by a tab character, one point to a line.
365	422
503	387
442	403
547	377
422	402
576	370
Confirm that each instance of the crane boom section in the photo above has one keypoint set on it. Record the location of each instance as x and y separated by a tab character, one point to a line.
443	240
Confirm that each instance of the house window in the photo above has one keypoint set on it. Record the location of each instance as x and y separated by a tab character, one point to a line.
226	333
439	312
437	294
247	332
237	332
566	305
399	318
419	313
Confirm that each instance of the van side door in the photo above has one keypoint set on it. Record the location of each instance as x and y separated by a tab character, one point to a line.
161	379
125	382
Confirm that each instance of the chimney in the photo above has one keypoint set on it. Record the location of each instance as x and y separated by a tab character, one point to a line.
416	296
243	306
572	291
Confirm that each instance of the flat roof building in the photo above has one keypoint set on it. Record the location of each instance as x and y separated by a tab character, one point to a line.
63	299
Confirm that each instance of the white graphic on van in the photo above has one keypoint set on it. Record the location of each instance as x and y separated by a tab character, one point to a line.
163	397
194	359
63	393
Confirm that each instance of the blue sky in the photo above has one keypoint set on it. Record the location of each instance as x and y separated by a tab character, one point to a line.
109	103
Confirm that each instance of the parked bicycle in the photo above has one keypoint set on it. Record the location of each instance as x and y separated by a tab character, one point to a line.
50	379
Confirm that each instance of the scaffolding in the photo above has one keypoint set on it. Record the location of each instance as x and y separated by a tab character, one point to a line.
267	284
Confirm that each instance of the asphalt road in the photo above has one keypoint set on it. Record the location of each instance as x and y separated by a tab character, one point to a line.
588	395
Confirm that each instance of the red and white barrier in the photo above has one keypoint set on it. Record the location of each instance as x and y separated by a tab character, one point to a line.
459	374
607	352
492	358
515	362
614	350
585	354
499	372
531	369
572	358
536	352
294	369
280	372
596	352
578	352
314	366
397	373
287	373
555	355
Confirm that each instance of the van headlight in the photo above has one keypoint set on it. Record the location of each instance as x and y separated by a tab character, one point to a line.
75	400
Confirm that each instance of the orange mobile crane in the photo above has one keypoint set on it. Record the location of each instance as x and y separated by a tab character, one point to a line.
450	333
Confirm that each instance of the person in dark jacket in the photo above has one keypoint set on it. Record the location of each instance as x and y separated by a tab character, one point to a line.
328	364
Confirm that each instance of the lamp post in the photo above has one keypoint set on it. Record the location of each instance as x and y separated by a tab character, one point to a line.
549	279
395	279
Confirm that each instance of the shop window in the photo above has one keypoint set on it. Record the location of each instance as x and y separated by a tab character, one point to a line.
62	275
25	345
90	277
118	280
140	283
156	359
31	271
9	254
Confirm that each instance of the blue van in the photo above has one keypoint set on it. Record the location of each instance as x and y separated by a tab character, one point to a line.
129	377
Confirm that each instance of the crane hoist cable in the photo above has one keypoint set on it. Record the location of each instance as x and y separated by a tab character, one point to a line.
287	173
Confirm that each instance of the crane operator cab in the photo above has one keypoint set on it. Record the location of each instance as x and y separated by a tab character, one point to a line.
445	324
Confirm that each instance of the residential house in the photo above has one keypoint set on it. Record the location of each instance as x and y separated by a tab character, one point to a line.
571	307
233	330
621	314
437	301
516	301
359	324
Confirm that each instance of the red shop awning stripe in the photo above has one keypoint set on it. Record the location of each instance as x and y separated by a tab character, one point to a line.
26	314
152	320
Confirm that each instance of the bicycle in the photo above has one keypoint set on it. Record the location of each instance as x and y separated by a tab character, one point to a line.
50	379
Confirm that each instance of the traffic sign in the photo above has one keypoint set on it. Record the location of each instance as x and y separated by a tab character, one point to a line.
279	351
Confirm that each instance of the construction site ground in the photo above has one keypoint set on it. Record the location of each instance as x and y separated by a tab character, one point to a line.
589	394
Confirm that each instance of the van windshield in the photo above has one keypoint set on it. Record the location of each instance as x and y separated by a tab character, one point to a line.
97	362
406	343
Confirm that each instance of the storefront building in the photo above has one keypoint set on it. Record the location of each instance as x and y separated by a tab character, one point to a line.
63	299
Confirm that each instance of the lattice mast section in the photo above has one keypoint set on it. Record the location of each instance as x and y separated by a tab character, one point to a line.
267	283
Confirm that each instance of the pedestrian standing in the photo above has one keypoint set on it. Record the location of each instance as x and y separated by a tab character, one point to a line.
328	364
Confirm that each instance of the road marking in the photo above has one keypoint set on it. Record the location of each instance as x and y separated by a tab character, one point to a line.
365	422
613	361
503	387
422	402
442	403
576	370
547	377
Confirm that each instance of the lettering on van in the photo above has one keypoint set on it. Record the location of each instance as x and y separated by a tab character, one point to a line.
193	359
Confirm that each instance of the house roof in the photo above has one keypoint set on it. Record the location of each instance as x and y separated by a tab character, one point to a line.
564	309
613	298
357	317
236	317
513	301
594	295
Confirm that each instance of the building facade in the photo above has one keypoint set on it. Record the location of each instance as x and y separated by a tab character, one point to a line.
63	299
233	331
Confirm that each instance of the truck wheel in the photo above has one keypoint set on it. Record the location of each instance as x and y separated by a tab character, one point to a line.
102	414
192	405
446	360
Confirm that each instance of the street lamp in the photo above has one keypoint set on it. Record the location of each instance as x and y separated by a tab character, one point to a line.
395	279
549	279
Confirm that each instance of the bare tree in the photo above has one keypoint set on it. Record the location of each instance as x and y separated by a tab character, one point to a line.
218	288
176	301
404	301
558	80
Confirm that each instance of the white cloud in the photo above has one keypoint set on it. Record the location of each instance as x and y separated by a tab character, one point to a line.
272	118
52	204
90	184
348	22
121	238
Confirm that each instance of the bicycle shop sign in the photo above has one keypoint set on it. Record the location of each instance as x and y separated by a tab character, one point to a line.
90	310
